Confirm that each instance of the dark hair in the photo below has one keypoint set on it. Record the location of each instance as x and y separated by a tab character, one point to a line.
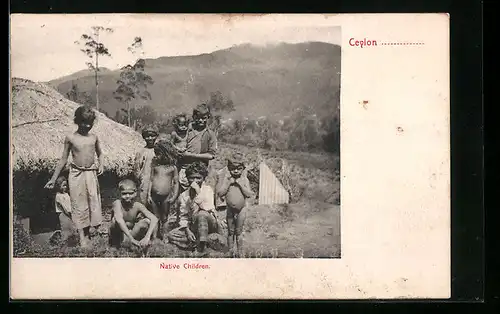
150	129
59	182
236	159
177	117
197	167
84	114
126	183
165	152
200	110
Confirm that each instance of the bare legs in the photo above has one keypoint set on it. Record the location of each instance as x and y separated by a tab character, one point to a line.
116	235
161	209
84	237
235	223
205	224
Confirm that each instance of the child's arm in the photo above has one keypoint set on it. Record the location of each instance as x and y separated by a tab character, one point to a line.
212	144
223	184
152	218
245	188
153	165
175	191
183	212
61	164
184	218
137	165
204	156
210	154
118	215
100	155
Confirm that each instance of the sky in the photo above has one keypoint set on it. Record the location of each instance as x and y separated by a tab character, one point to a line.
43	48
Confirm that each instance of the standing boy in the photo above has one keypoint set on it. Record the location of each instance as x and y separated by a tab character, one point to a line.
82	180
201	143
143	160
131	220
164	187
233	189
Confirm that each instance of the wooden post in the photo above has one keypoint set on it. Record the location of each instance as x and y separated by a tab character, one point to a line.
25	222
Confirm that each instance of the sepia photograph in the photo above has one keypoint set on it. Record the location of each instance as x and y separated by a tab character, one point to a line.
230	156
147	136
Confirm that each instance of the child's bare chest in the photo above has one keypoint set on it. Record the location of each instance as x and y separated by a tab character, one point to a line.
83	144
163	171
180	138
130	215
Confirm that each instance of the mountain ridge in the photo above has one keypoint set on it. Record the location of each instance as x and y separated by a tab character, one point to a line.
262	80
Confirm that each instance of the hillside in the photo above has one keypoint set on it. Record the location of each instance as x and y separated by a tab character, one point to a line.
76	75
262	81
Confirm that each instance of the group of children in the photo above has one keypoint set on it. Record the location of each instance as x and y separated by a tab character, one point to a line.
168	198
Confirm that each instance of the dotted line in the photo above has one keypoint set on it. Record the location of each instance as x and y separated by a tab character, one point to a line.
403	44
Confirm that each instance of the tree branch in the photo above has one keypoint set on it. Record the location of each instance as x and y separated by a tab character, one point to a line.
35	121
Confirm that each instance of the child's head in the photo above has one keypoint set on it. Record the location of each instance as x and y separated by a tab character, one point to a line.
84	118
196	172
181	123
165	152
150	134
236	165
128	191
62	185
201	114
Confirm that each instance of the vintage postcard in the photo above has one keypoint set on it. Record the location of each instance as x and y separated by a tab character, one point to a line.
203	156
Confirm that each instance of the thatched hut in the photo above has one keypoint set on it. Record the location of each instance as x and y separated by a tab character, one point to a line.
41	117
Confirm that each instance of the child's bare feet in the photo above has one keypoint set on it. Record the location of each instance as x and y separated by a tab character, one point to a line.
200	253
85	243
56	237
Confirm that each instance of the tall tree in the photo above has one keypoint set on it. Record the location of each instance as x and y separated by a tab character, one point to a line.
219	104
133	82
93	48
78	96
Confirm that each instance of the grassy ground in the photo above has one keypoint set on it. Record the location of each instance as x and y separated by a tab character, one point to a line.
308	227
308	230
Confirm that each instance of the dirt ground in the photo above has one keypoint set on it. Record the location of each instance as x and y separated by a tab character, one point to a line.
303	230
309	227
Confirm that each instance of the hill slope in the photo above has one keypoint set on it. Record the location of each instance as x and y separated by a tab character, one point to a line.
270	80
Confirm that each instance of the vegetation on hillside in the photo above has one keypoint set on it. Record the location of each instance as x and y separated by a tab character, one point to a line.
271	81
275	104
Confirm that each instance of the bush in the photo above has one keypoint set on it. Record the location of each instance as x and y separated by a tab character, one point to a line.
22	242
300	132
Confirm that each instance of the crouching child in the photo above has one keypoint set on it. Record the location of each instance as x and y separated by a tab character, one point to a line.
197	219
131	219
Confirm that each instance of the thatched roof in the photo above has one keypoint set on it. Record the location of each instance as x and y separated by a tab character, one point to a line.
41	117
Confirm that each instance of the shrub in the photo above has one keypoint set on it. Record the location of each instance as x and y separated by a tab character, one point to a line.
22	242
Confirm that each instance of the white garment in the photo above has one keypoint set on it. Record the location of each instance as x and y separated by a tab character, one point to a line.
63	203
